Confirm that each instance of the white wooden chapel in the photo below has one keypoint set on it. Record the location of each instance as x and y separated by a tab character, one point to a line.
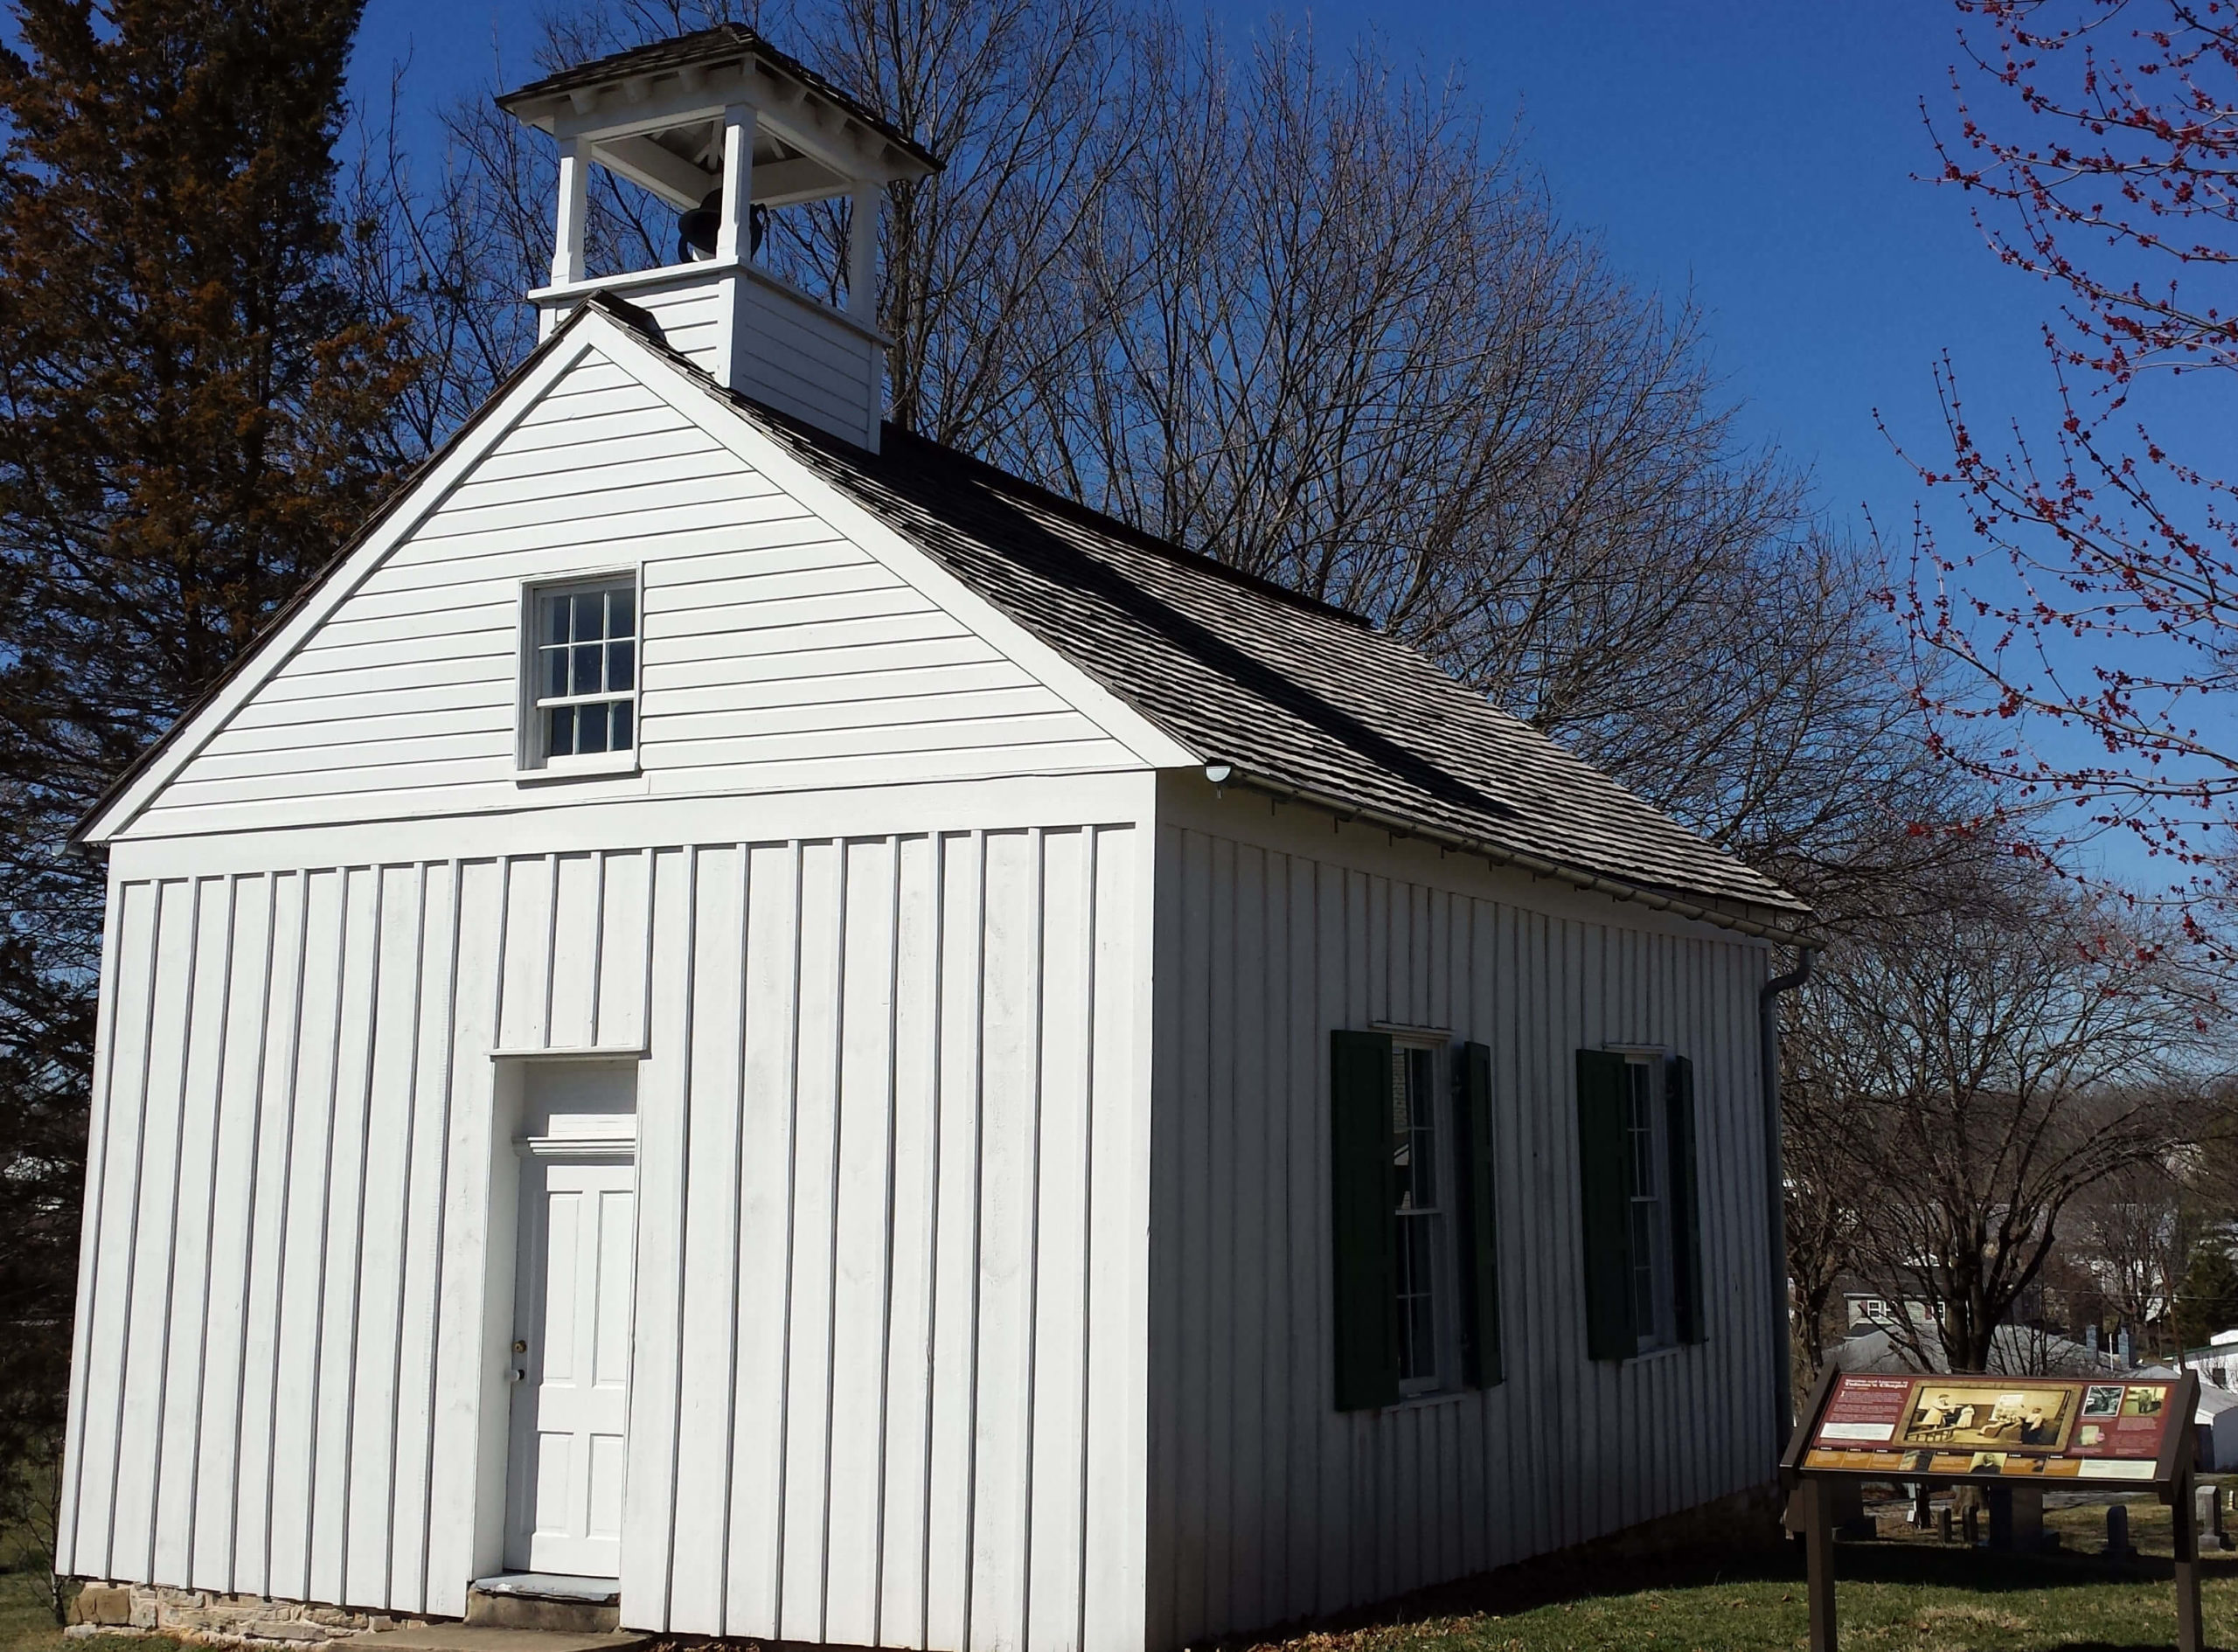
738	1003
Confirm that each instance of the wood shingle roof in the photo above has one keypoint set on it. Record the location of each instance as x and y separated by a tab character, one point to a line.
1306	696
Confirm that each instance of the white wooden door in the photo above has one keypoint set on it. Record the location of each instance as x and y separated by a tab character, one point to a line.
571	1364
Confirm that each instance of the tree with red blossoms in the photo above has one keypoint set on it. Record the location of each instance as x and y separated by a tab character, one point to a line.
2093	622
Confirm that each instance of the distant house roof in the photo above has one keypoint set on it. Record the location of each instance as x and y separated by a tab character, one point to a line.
724	41
2015	1351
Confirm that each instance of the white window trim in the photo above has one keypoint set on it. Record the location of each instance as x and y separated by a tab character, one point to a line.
529	766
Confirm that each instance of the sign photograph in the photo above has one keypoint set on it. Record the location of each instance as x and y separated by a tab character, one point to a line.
1991	1417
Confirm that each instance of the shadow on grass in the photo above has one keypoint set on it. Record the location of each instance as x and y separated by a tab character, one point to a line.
1923	1564
1555	1582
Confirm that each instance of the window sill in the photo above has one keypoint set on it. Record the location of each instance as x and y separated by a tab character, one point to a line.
606	766
1429	1401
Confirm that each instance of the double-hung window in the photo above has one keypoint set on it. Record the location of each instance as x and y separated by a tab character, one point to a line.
1421	1280
579	696
1648	1173
1416	1239
1643	1221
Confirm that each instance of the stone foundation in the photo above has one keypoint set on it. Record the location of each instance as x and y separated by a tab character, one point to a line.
1744	1522
210	1619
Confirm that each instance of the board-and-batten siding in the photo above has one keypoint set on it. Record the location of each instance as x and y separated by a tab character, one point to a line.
1268	1505
891	1294
776	654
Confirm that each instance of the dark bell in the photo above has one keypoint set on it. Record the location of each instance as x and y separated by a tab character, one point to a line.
697	229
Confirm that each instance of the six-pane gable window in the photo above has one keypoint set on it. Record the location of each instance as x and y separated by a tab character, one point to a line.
581	668
1417	1292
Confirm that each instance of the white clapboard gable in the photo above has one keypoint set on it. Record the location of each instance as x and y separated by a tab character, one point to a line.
791	641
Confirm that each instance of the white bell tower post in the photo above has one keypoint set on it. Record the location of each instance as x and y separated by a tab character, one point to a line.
721	125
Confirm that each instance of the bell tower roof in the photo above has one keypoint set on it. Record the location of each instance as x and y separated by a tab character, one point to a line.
728	61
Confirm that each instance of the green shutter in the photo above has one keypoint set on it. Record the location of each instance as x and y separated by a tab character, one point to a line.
1480	1259
1606	1195
1365	1242
1685	1206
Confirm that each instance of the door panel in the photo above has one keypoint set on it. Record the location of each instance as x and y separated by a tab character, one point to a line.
570	1393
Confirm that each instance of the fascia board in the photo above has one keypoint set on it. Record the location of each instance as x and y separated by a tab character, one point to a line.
423	495
1152	745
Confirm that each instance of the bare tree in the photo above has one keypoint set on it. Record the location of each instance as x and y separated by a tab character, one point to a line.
1983	1066
1828	1193
1334	335
2131	1237
1020	100
2098	141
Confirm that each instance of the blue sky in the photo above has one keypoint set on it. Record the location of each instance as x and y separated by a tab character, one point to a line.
1760	155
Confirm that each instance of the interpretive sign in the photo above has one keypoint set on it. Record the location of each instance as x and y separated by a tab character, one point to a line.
2001	1431
1947	1428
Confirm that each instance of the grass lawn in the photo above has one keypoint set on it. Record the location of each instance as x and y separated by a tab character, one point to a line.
1905	1594
26	1625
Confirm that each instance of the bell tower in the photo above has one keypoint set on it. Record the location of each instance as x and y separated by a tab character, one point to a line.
725	128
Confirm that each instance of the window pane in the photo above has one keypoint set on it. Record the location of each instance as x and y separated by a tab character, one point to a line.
1417	1320
559	731
621	667
553	676
1405	1191
555	618
588	659
1641	1133
619	712
590	728
620	612
590	617
1422	1069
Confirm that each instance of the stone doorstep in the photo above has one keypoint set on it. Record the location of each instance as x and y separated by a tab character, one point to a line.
551	1585
546	1602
